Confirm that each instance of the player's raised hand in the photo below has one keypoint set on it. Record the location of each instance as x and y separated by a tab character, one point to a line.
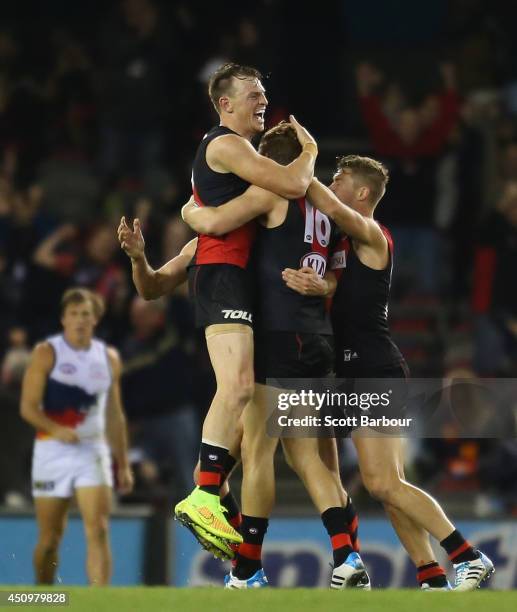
305	281
131	240
302	134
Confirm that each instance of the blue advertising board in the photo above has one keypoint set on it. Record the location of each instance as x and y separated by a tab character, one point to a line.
297	554
18	536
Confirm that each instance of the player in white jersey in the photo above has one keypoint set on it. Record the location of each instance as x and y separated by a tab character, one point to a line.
71	395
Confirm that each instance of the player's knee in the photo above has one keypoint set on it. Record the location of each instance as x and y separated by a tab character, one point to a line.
252	453
257	456
97	530
236	394
243	390
49	542
379	488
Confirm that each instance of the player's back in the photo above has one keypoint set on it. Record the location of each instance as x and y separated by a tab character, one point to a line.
302	240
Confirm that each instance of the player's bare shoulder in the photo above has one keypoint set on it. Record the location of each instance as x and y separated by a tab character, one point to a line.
373	253
42	357
226	148
378	236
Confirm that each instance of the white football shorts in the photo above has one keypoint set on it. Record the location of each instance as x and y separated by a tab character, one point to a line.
59	468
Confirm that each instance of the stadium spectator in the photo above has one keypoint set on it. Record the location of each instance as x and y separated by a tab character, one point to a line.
410	144
156	383
16	358
69	91
138	51
494	291
60	261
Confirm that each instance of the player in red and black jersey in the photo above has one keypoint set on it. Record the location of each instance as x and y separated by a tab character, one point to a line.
292	340
364	349
224	165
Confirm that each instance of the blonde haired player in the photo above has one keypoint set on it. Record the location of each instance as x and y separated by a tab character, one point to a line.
71	396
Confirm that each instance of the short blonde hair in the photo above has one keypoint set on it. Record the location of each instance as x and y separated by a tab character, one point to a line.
372	172
79	295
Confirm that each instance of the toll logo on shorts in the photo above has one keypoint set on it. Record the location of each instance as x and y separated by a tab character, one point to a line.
43	485
316	261
238	314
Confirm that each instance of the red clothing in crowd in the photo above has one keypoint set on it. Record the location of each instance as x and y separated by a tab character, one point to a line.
431	141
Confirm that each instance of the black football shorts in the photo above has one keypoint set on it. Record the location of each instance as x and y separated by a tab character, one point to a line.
281	354
220	293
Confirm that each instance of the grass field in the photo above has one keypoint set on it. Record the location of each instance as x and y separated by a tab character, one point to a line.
272	600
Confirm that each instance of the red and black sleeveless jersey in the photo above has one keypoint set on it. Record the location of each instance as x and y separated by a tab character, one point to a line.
360	311
303	239
213	189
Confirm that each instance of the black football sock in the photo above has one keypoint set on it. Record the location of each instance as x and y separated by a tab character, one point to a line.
458	549
432	574
234	515
249	555
228	465
335	522
352	521
211	460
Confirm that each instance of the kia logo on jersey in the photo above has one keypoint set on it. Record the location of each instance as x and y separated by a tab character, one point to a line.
316	261
67	368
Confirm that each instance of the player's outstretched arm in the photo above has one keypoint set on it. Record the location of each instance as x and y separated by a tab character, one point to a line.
33	389
355	225
116	427
174	272
219	220
152	284
307	281
232	153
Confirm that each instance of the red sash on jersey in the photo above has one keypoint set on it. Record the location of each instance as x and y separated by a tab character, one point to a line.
232	248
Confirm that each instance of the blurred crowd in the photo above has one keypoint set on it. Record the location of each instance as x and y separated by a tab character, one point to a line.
101	108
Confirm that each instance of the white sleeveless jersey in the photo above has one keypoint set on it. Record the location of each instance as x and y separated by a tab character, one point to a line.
77	388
